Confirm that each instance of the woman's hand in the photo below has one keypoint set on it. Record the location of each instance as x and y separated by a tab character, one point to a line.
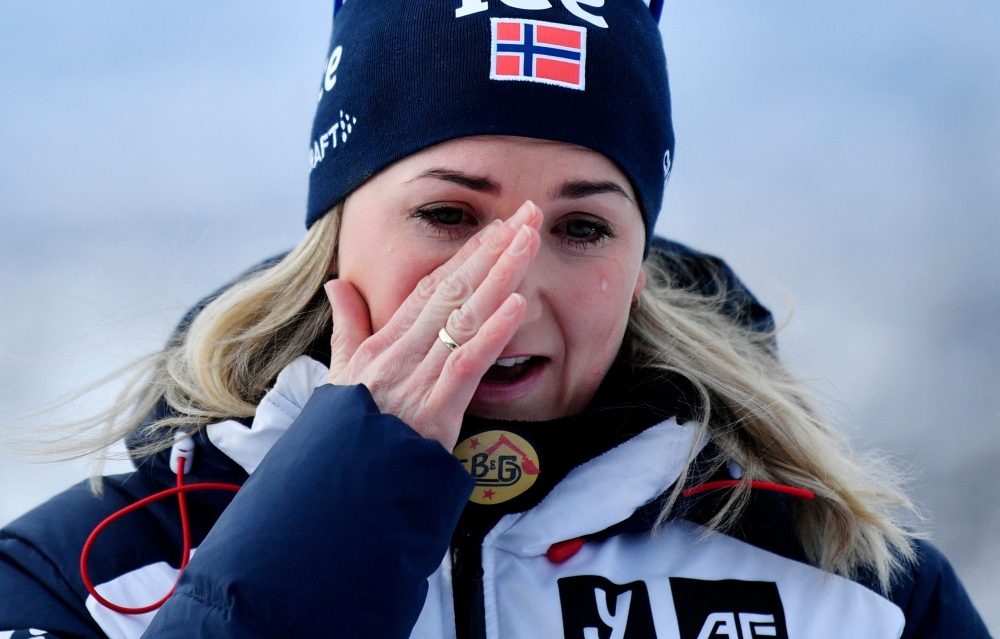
409	371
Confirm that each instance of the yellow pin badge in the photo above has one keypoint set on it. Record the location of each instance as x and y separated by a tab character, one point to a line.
503	464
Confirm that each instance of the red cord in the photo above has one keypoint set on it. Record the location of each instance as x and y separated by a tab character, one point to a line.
179	490
762	485
557	553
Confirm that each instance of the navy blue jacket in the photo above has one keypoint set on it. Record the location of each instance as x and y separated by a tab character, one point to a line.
341	525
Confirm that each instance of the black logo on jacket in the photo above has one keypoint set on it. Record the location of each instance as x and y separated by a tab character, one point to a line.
728	608
595	608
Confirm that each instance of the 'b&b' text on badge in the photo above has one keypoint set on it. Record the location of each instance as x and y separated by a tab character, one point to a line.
503	464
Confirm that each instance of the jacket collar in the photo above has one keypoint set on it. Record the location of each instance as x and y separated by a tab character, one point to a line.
601	488
275	413
603	491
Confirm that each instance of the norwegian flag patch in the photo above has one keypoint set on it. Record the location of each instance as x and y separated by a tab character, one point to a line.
535	51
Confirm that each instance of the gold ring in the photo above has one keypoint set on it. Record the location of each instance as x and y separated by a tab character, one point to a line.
448	341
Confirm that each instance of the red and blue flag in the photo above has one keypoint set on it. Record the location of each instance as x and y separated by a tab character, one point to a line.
536	51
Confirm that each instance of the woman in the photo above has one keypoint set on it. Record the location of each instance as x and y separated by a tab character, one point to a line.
480	399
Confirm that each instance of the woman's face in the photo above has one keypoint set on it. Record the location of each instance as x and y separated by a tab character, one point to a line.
413	216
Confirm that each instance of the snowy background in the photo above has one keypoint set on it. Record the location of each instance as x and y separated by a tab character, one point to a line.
844	154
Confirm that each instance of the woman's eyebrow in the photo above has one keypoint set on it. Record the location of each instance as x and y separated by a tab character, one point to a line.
473	182
578	189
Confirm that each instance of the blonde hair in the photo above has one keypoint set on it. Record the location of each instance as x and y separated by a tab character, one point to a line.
221	364
762	417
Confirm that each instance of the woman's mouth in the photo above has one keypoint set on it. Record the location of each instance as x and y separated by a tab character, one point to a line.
511	378
510	370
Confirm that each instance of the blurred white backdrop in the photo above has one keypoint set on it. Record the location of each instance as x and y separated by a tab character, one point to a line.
845	154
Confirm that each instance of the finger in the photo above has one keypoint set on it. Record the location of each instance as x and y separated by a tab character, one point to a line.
457	288
466	366
527	214
351	324
503	279
408	312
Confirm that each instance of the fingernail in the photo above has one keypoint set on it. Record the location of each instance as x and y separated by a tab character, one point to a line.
523	215
520	241
511	305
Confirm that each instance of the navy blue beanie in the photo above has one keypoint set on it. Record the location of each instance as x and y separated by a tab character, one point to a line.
403	76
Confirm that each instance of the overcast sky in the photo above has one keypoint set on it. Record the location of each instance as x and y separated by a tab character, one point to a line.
845	155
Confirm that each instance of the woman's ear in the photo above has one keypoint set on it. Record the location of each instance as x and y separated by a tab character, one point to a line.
331	272
640	285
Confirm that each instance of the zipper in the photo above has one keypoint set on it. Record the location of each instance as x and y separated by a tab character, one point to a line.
467	581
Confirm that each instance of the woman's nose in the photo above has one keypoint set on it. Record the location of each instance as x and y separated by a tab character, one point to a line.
534	287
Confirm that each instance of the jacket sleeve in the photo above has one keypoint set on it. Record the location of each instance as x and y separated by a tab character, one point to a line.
35	600
935	603
334	534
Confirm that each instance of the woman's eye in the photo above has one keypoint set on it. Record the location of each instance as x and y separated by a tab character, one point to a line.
447	220
449	216
581	228
584	233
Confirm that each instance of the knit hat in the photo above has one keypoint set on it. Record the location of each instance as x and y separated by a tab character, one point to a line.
403	76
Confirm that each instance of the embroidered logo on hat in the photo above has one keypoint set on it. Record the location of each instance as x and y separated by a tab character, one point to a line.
503	464
535	51
340	130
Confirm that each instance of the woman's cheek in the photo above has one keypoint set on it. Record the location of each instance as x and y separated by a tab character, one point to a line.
397	276
612	298
389	293
599	313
